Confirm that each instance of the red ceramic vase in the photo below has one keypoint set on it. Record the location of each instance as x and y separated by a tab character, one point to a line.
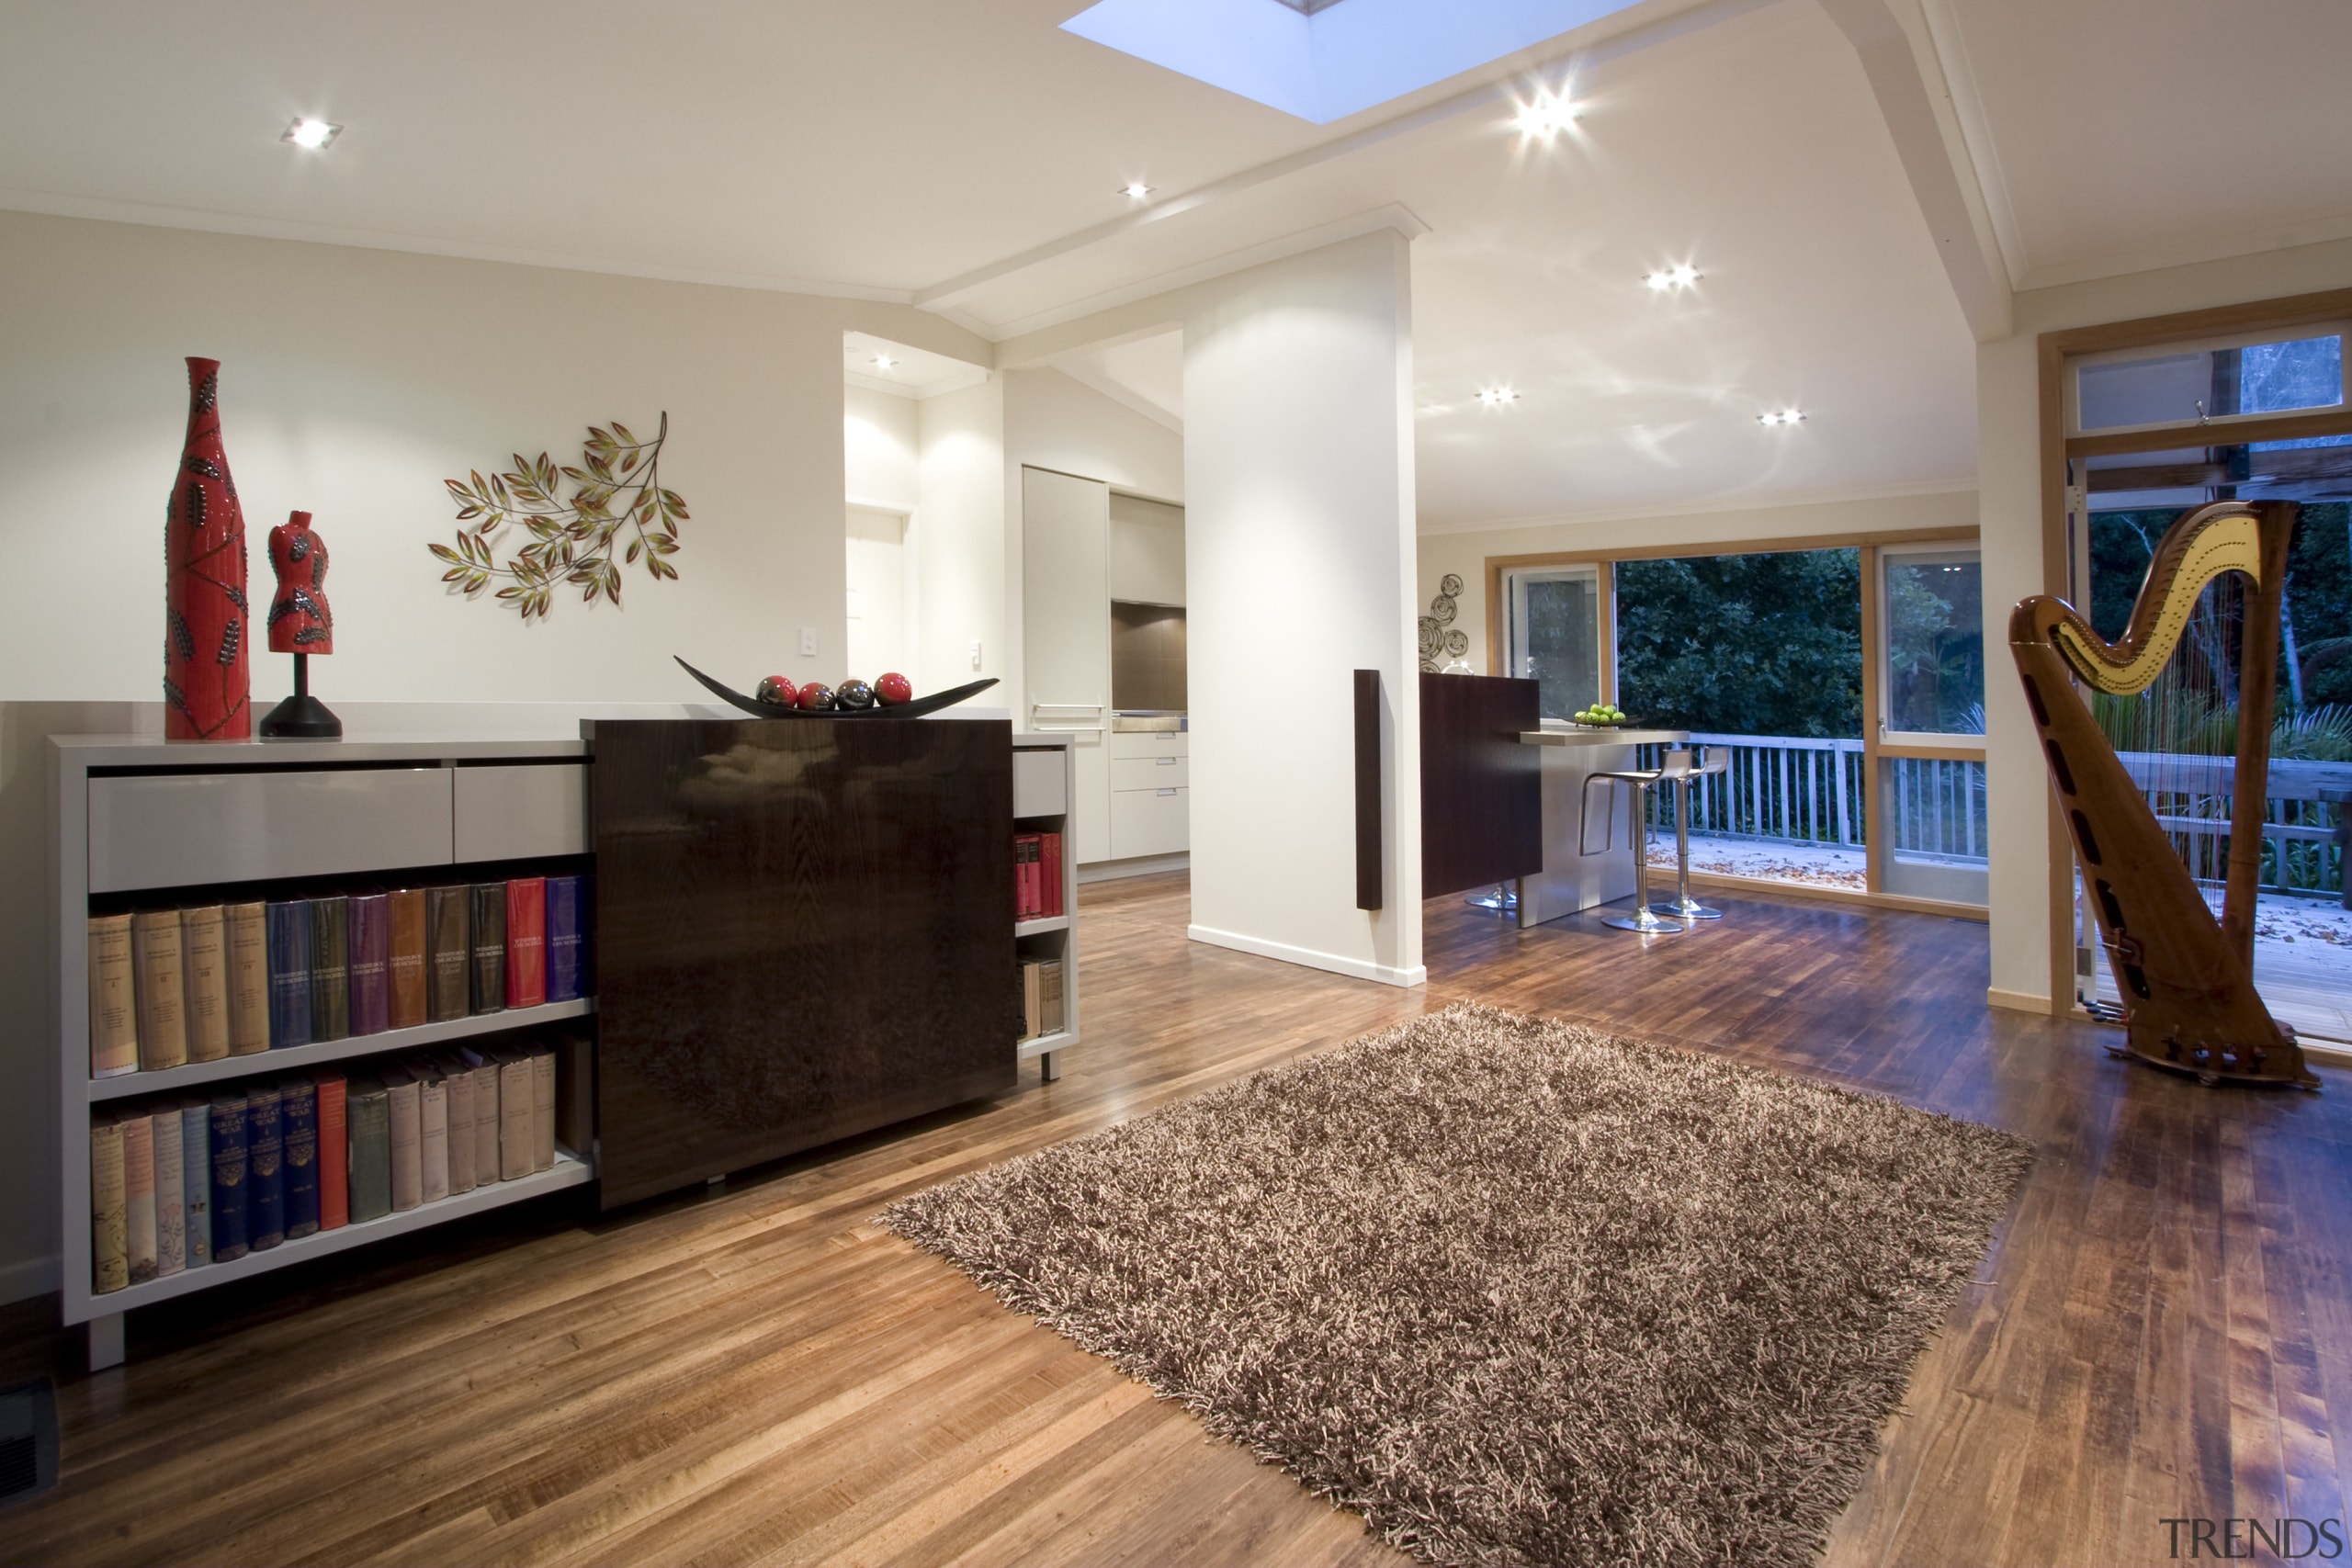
206	620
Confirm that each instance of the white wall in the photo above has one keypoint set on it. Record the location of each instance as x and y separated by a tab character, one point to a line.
1298	470
2009	503
960	556
881	443
353	382
1466	554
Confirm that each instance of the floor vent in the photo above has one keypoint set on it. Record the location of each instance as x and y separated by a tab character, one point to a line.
28	1442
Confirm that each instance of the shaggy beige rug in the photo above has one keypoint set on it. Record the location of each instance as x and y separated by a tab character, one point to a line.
1517	1291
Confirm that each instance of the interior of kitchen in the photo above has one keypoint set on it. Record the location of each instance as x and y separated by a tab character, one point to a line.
1103	620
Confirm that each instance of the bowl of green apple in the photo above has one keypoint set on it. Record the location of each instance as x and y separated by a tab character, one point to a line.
1601	715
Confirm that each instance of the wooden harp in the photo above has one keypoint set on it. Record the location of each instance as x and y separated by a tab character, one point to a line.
2187	979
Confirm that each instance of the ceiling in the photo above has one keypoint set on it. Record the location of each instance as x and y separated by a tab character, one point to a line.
968	158
2121	135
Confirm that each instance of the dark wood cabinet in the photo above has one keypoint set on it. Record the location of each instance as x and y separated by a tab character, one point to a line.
802	935
1482	804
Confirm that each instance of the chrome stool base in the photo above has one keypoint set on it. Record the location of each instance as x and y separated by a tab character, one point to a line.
1686	910
1501	899
1646	921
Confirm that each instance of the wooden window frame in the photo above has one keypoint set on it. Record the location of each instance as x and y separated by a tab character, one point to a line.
1873	747
2053	351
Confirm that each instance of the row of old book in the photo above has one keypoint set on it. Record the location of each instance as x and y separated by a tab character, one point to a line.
177	1184
1041	998
1037	876
194	984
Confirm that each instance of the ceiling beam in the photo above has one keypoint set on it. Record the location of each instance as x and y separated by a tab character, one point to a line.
1898	55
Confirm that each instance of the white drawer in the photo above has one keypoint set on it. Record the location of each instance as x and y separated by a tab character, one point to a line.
173	830
1040	781
1132	743
1150	772
511	812
1150	822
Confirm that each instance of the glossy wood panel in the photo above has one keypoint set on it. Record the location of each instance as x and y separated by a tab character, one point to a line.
803	932
1482	788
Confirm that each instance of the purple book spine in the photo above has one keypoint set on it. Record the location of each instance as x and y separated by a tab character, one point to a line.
371	963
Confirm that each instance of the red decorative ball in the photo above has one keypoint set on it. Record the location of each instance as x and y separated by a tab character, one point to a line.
776	689
816	696
892	689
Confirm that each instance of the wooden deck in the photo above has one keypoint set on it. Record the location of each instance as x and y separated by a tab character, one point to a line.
759	1375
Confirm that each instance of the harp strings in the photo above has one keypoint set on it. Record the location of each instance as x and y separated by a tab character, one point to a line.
2178	736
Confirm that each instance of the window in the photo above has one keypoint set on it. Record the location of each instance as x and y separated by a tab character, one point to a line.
1934	675
2206	384
1554	635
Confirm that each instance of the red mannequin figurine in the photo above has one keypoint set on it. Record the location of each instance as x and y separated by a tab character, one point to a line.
300	620
299	623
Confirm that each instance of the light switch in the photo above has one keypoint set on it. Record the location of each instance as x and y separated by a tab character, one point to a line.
808	642
975	654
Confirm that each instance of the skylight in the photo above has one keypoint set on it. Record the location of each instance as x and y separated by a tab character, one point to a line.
1321	60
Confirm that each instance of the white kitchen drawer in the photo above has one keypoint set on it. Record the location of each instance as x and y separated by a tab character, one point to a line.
176	829
1138	743
1150	822
1040	781
510	812
1150	772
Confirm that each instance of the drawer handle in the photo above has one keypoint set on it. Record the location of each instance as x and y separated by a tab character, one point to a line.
1165	792
1165	761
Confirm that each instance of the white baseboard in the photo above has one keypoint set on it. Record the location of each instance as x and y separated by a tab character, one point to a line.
2018	1001
33	1277
1356	968
1142	866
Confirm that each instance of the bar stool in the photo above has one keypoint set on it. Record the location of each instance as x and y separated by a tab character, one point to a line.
1684	906
1646	918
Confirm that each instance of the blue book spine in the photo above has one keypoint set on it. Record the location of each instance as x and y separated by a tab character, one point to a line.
564	951
290	974
264	1170
298	1100
227	1178
196	1141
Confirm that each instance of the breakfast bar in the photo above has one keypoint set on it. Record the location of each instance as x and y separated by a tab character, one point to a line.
1571	879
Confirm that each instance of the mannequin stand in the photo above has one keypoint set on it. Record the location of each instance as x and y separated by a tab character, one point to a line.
301	716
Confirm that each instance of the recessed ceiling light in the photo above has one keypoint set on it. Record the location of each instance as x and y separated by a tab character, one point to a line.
1547	116
1136	191
1496	397
1783	417
311	134
884	362
1683	274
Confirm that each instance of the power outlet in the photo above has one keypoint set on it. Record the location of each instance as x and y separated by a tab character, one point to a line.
808	642
976	655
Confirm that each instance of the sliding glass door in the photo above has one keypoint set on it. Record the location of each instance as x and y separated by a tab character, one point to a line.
1930	744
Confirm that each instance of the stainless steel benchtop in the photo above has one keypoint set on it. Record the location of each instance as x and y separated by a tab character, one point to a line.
1596	735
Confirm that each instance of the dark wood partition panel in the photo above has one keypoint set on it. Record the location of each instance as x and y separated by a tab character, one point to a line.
803	931
1368	868
1482	803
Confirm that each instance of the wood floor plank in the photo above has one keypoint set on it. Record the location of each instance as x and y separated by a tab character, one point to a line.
758	1374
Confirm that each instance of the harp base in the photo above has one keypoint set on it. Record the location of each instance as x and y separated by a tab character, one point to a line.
2282	1065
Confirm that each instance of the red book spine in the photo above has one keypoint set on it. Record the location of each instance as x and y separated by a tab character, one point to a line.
1029	876
335	1166
1051	859
526	942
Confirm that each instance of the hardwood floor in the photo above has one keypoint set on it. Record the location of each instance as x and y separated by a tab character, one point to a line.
2163	1329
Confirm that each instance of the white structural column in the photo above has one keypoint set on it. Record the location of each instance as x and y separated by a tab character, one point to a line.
1299	550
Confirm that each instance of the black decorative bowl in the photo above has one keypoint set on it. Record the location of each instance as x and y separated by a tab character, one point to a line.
915	709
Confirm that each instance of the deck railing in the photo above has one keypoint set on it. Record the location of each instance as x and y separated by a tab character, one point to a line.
1800	789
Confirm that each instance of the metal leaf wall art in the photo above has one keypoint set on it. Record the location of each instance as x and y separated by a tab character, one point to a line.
617	507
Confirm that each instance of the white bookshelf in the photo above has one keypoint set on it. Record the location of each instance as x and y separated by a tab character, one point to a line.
1045	799
145	822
